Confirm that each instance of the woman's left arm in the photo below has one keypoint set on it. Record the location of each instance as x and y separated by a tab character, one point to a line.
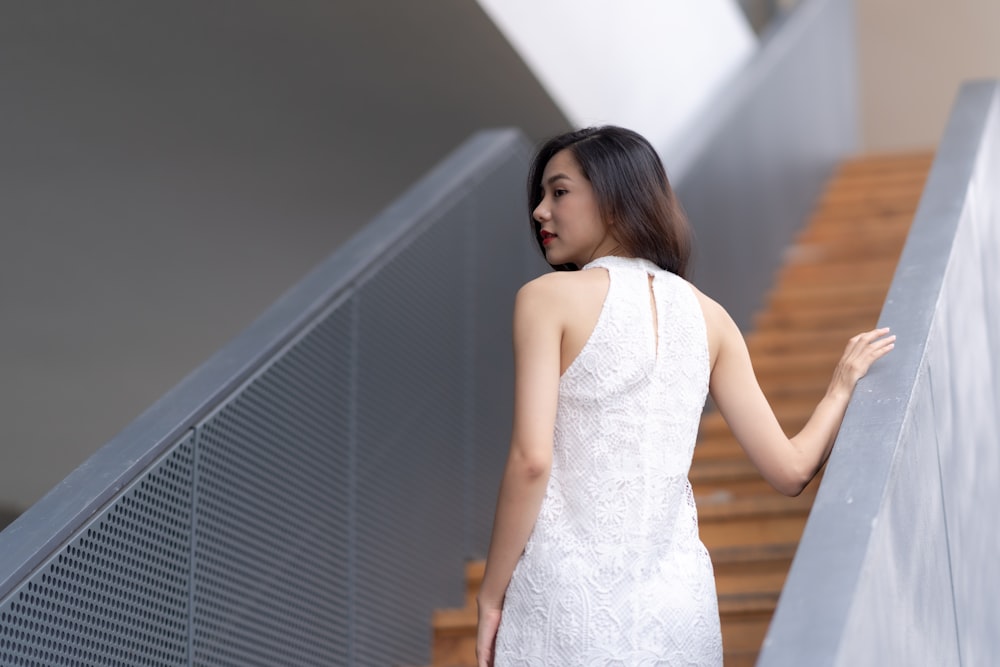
537	341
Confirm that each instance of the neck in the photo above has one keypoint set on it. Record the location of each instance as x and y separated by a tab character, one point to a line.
597	255
607	247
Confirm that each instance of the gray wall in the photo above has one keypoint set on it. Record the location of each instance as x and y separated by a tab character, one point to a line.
168	169
897	564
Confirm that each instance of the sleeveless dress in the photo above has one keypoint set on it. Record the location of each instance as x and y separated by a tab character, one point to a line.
614	572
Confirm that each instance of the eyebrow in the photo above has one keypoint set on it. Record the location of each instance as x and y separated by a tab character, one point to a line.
555	177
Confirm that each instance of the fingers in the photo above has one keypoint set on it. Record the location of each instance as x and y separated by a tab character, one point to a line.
869	336
863	350
876	339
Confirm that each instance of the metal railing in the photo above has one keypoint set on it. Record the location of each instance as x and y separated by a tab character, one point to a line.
897	565
310	493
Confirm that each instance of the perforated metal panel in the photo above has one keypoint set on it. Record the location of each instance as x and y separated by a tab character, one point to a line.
272	498
411	439
117	594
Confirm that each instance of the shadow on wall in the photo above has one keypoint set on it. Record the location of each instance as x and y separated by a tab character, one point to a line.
7	516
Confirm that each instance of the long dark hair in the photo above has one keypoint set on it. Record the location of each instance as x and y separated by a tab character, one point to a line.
632	192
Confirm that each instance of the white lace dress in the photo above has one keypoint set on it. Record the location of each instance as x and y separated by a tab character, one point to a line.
614	572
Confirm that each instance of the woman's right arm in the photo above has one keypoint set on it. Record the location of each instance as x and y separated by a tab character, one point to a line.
788	464
537	341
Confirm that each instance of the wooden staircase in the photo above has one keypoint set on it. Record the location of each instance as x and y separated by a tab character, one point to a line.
832	286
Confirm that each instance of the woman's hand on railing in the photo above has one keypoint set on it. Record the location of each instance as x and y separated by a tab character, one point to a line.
861	352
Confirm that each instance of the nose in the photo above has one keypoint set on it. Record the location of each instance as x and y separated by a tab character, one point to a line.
541	212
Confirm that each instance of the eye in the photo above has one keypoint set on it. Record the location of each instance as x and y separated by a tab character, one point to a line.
559	192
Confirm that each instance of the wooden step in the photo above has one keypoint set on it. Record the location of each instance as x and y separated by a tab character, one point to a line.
794	296
474	571
724	479
717	448
764	519
820	252
802	270
799	368
743	568
745	618
876	207
454	642
845	230
908	186
817	319
741	658
884	166
780	342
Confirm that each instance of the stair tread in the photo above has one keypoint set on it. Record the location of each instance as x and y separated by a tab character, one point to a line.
454	618
763	343
753	553
798	292
755	506
754	602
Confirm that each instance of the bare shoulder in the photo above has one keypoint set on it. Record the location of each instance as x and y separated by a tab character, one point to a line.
540	309
539	298
562	286
567	300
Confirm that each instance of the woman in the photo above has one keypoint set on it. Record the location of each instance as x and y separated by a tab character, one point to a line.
595	557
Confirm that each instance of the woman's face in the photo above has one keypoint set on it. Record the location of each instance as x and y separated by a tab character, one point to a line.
571	228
